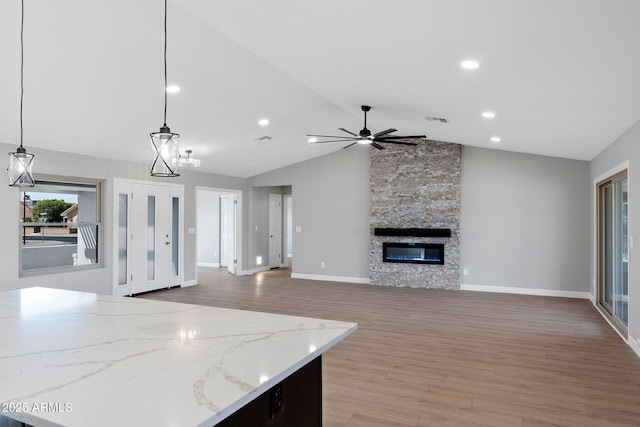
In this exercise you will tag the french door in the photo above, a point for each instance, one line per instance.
(148, 237)
(613, 249)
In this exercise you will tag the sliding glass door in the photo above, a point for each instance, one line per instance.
(613, 248)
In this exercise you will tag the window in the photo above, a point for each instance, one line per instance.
(60, 224)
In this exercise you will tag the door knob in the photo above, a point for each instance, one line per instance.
(167, 243)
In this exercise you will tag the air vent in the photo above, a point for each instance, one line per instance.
(436, 119)
(263, 138)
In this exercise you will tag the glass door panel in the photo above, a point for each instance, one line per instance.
(175, 236)
(151, 237)
(620, 251)
(613, 258)
(123, 237)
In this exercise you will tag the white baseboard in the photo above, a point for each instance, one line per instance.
(208, 264)
(330, 278)
(527, 291)
(187, 283)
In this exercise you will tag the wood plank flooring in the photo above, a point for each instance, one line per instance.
(448, 358)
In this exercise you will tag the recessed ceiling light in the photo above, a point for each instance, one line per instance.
(495, 139)
(312, 140)
(173, 89)
(263, 122)
(488, 115)
(469, 64)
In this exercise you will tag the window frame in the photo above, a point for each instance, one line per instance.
(100, 250)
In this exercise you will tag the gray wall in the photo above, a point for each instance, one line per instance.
(65, 164)
(539, 205)
(524, 220)
(625, 148)
(331, 205)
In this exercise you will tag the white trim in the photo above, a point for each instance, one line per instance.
(208, 264)
(188, 283)
(526, 291)
(330, 278)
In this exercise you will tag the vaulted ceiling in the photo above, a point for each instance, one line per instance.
(560, 76)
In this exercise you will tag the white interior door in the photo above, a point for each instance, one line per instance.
(148, 238)
(231, 233)
(275, 230)
(224, 231)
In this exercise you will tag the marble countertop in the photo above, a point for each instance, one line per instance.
(81, 359)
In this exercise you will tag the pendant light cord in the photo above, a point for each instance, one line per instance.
(21, 69)
(165, 63)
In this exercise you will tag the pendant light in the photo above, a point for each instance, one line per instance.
(188, 162)
(21, 162)
(165, 142)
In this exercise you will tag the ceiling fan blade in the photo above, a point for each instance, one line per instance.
(347, 131)
(398, 142)
(347, 146)
(403, 137)
(384, 132)
(378, 146)
(329, 136)
(334, 140)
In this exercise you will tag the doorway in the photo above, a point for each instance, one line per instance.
(613, 250)
(218, 232)
(148, 236)
(275, 230)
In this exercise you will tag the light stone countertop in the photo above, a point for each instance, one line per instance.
(81, 359)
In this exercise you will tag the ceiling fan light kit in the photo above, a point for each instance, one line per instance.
(365, 137)
(188, 162)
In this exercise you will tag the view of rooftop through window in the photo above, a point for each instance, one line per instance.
(59, 225)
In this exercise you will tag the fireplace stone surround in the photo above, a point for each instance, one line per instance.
(415, 187)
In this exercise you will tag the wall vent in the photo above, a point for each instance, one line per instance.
(436, 119)
(263, 138)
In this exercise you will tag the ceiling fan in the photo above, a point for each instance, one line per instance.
(366, 137)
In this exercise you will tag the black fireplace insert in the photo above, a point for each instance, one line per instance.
(414, 253)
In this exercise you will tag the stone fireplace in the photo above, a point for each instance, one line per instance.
(415, 197)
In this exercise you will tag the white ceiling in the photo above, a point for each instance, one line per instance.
(561, 76)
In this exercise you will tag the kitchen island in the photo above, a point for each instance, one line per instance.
(81, 359)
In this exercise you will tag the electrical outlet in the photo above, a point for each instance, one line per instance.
(465, 271)
(321, 264)
(276, 401)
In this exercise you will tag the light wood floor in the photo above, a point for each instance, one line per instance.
(448, 358)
